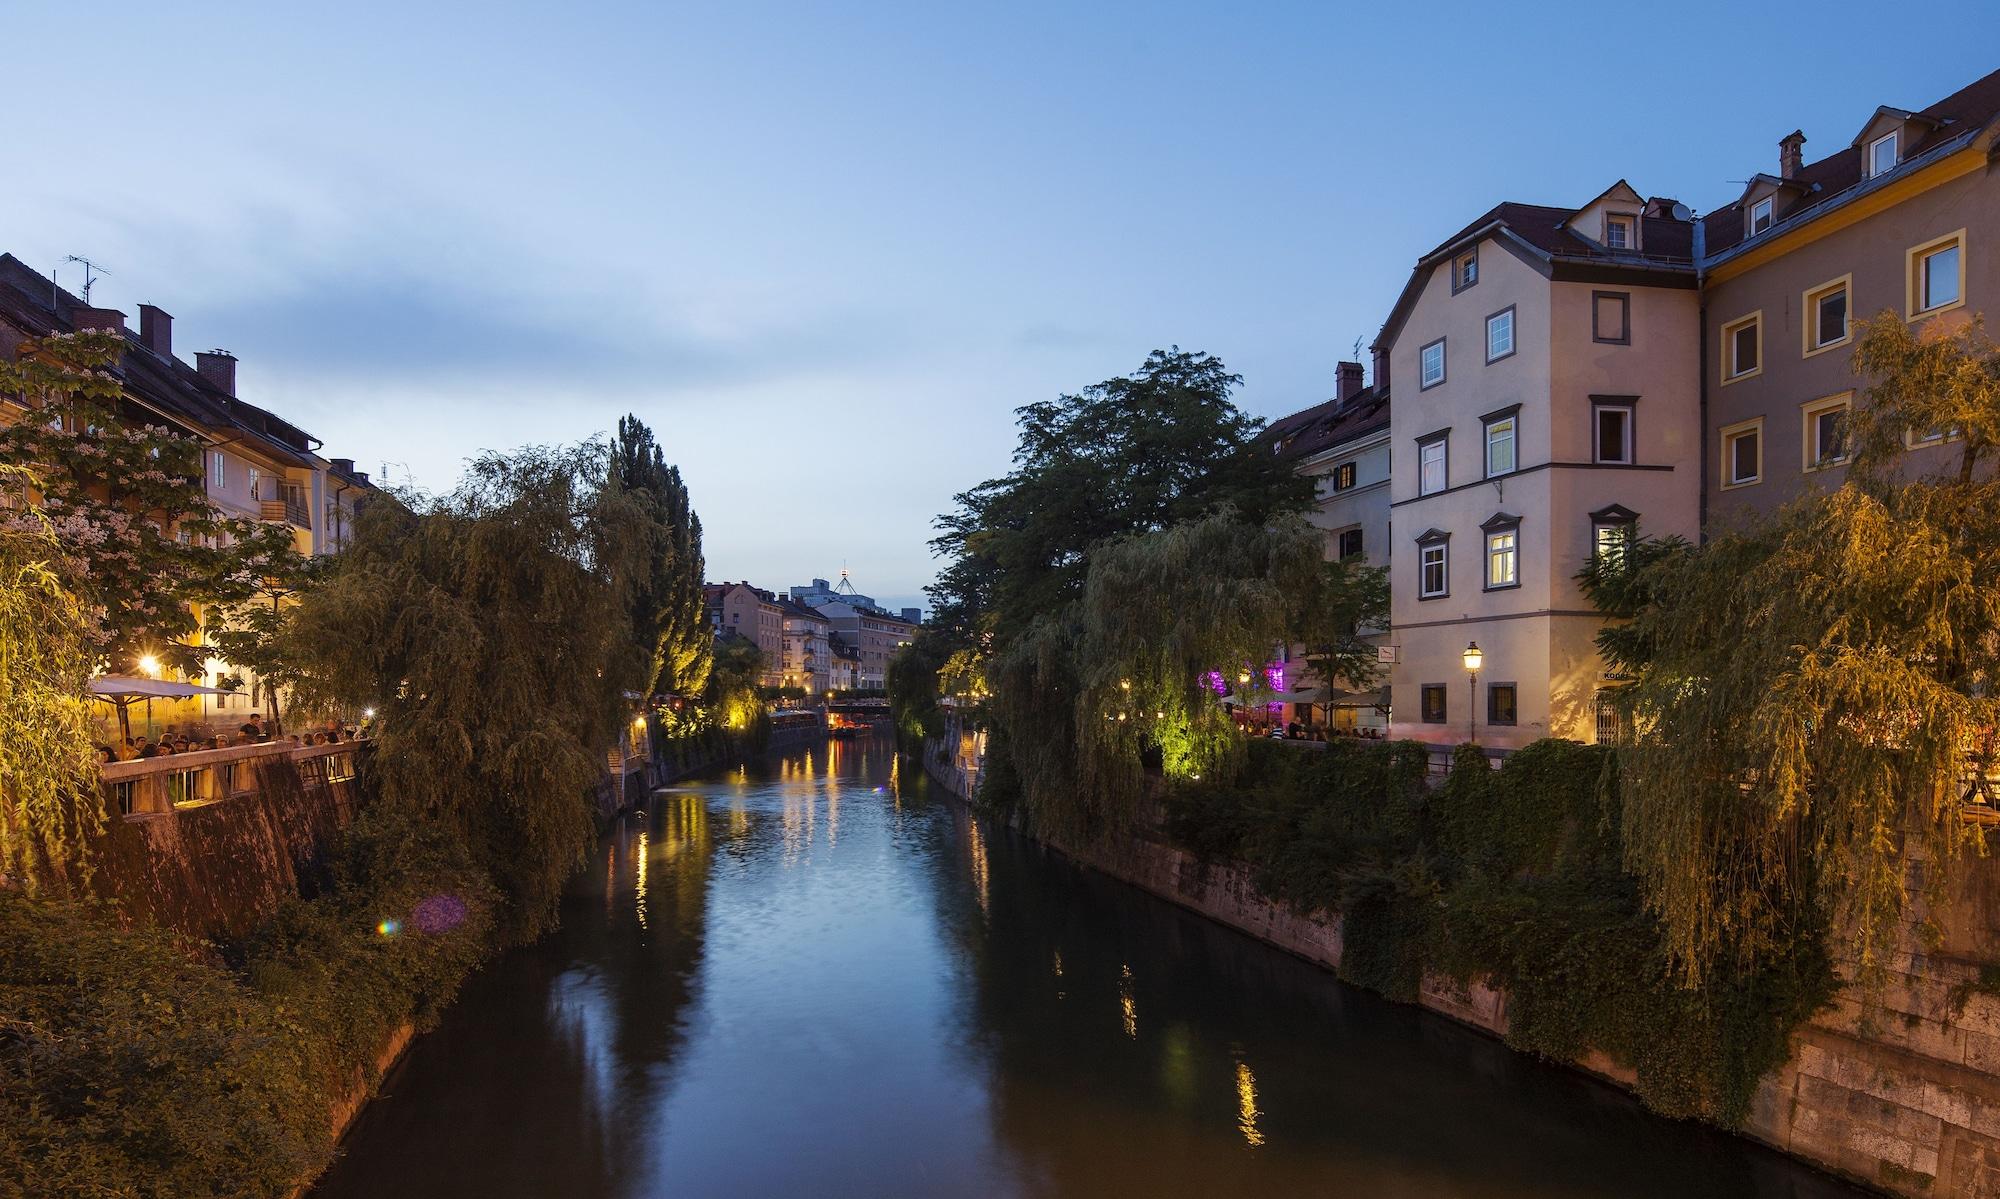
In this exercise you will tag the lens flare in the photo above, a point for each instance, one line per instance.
(388, 926)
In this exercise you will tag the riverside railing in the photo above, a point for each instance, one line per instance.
(205, 776)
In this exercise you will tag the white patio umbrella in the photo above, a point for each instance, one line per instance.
(120, 691)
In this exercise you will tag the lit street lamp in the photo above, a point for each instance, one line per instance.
(1472, 658)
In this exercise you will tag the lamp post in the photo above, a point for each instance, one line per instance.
(1473, 658)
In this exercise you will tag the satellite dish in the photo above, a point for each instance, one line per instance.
(1682, 212)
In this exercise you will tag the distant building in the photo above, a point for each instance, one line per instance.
(820, 592)
(876, 635)
(807, 659)
(738, 609)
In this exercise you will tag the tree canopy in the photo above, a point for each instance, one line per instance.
(669, 615)
(1814, 692)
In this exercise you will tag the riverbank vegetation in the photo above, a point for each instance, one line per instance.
(505, 635)
(1513, 877)
(1144, 541)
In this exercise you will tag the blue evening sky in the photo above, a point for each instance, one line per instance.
(826, 249)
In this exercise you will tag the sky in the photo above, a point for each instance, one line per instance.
(825, 250)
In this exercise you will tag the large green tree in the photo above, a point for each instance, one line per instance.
(491, 629)
(1814, 693)
(669, 614)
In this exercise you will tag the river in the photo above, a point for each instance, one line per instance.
(819, 977)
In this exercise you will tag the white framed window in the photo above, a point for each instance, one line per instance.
(1743, 453)
(1609, 539)
(1882, 154)
(1618, 232)
(1743, 347)
(1432, 462)
(1431, 365)
(1760, 216)
(1937, 275)
(1433, 570)
(1464, 270)
(1825, 431)
(1826, 309)
(1500, 445)
(1503, 559)
(1611, 432)
(1500, 334)
(218, 469)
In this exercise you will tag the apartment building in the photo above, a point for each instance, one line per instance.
(740, 610)
(1342, 444)
(875, 634)
(1545, 408)
(1903, 218)
(807, 660)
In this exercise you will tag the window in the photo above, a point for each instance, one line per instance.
(1618, 232)
(256, 478)
(1433, 570)
(1500, 428)
(218, 469)
(1760, 216)
(1431, 364)
(1743, 453)
(1502, 706)
(1937, 275)
(1882, 154)
(1825, 309)
(1464, 271)
(1611, 317)
(1349, 544)
(1826, 432)
(1343, 476)
(1434, 711)
(1431, 466)
(1609, 539)
(1610, 721)
(1611, 432)
(1503, 559)
(1743, 347)
(1500, 334)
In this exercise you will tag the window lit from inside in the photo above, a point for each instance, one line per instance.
(1502, 706)
(1431, 476)
(1610, 539)
(1500, 447)
(1343, 476)
(1502, 559)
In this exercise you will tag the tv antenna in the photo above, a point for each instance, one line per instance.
(91, 272)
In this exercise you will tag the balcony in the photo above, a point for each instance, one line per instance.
(282, 502)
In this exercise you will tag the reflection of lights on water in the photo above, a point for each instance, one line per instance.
(1128, 1006)
(981, 876)
(1246, 1105)
(639, 885)
(1058, 963)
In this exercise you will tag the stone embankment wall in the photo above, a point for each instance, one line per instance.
(1907, 1101)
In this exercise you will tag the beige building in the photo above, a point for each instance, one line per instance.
(808, 648)
(874, 634)
(1544, 408)
(1904, 218)
(738, 609)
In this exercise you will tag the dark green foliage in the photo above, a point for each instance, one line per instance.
(1515, 877)
(669, 616)
(133, 1063)
(913, 688)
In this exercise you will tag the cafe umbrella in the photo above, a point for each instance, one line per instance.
(122, 691)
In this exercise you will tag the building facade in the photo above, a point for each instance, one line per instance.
(1544, 410)
(808, 648)
(875, 636)
(740, 610)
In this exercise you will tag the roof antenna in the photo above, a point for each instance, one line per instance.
(90, 273)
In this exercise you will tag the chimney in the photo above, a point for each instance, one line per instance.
(156, 329)
(219, 368)
(1791, 153)
(102, 320)
(1349, 374)
(343, 466)
(1381, 375)
(361, 477)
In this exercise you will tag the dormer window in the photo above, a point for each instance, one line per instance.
(1882, 154)
(1618, 232)
(1760, 216)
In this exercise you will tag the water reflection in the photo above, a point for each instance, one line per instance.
(817, 979)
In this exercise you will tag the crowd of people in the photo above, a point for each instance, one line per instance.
(253, 731)
(1295, 730)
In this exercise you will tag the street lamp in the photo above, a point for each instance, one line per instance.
(149, 665)
(1473, 658)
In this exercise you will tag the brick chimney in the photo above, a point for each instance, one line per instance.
(156, 329)
(1349, 375)
(219, 368)
(1791, 153)
(1381, 374)
(103, 320)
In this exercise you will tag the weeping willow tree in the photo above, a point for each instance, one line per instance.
(491, 629)
(1814, 693)
(1083, 699)
(49, 802)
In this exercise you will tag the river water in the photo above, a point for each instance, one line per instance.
(819, 977)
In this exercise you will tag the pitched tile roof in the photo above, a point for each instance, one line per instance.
(1327, 424)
